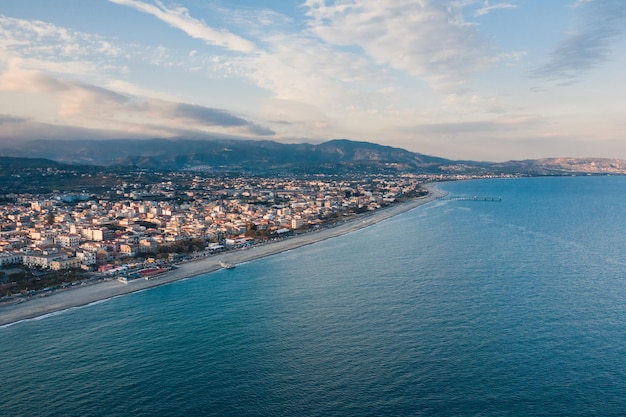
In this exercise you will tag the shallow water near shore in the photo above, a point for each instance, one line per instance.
(456, 308)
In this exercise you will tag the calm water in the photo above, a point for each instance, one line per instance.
(456, 308)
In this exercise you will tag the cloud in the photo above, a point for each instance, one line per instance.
(47, 47)
(30, 81)
(328, 85)
(308, 81)
(58, 49)
(473, 103)
(487, 8)
(10, 119)
(179, 18)
(429, 40)
(259, 130)
(488, 138)
(207, 115)
(299, 68)
(75, 99)
(581, 2)
(18, 129)
(590, 45)
(504, 123)
(215, 117)
(96, 106)
(82, 99)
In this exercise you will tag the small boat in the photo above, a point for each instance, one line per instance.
(227, 265)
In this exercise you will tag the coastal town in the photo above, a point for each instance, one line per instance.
(136, 229)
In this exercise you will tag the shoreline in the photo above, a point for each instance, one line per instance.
(89, 294)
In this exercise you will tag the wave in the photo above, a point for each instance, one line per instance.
(56, 313)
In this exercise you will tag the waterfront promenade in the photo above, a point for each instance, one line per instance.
(84, 295)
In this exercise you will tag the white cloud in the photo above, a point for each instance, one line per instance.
(474, 103)
(179, 18)
(44, 46)
(581, 2)
(487, 8)
(316, 90)
(86, 105)
(130, 89)
(74, 99)
(429, 40)
(36, 38)
(331, 87)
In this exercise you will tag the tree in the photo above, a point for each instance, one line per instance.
(252, 230)
(50, 219)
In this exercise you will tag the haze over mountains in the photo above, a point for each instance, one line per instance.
(336, 155)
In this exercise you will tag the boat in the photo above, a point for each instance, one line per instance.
(227, 265)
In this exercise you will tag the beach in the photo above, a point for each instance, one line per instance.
(88, 294)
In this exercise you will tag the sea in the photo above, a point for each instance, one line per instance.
(461, 307)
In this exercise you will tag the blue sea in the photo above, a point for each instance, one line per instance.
(456, 308)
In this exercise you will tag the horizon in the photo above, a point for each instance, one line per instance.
(565, 157)
(473, 80)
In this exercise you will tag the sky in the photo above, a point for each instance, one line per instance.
(462, 79)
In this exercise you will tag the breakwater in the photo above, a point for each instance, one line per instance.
(470, 198)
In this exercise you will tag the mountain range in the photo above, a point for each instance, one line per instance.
(338, 155)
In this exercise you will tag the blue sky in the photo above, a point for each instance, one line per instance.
(462, 79)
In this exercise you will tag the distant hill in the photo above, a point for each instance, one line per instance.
(228, 154)
(334, 156)
(39, 175)
(564, 166)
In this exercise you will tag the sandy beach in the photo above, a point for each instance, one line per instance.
(80, 296)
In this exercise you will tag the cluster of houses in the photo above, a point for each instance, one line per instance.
(64, 231)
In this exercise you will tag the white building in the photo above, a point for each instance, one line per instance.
(70, 240)
(86, 257)
(98, 234)
(10, 258)
(42, 259)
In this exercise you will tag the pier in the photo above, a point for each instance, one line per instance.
(470, 198)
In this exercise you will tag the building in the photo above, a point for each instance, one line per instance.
(147, 245)
(70, 240)
(86, 257)
(128, 250)
(98, 234)
(297, 223)
(42, 259)
(10, 258)
(65, 264)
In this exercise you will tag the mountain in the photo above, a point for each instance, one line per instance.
(38, 175)
(334, 156)
(177, 154)
(565, 166)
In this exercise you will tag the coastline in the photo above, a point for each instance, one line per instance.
(89, 294)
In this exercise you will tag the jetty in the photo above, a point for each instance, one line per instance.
(470, 198)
